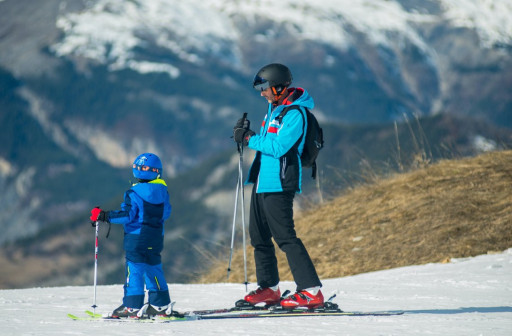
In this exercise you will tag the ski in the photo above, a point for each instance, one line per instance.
(144, 319)
(90, 313)
(246, 311)
(234, 313)
(292, 313)
(242, 309)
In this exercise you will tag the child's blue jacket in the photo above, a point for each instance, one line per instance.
(145, 208)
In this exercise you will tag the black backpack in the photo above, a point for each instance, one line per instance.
(314, 139)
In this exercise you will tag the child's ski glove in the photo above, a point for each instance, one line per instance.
(98, 215)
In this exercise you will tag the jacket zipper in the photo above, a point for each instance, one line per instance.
(283, 167)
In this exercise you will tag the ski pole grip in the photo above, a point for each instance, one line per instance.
(240, 146)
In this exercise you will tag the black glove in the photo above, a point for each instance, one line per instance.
(242, 123)
(242, 135)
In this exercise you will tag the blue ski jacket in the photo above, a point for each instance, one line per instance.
(145, 208)
(277, 166)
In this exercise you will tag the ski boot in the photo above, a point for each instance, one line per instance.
(164, 311)
(304, 299)
(268, 296)
(125, 312)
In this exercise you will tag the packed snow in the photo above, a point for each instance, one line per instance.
(471, 296)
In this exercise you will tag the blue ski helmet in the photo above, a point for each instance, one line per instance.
(147, 166)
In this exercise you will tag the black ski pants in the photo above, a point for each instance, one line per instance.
(271, 216)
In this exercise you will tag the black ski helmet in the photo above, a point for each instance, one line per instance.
(273, 75)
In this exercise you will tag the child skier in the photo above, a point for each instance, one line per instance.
(145, 208)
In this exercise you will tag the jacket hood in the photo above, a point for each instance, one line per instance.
(154, 192)
(299, 96)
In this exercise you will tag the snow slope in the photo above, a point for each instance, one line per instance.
(470, 296)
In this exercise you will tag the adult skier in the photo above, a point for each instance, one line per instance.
(276, 173)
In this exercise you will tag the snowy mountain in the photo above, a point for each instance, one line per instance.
(85, 86)
(109, 31)
(411, 56)
(403, 43)
(463, 297)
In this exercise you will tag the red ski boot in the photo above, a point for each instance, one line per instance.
(303, 299)
(263, 295)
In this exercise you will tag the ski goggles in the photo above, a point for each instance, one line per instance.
(146, 168)
(260, 84)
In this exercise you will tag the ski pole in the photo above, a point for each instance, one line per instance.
(234, 224)
(95, 265)
(241, 182)
(235, 209)
(239, 190)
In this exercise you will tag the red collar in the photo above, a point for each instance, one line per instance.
(293, 94)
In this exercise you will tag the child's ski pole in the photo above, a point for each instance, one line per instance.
(97, 224)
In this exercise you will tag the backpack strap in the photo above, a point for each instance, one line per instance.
(296, 145)
(303, 136)
(283, 113)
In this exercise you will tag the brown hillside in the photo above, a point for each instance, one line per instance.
(455, 208)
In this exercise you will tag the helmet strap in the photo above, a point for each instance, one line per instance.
(278, 94)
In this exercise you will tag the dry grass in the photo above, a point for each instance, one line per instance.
(454, 208)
